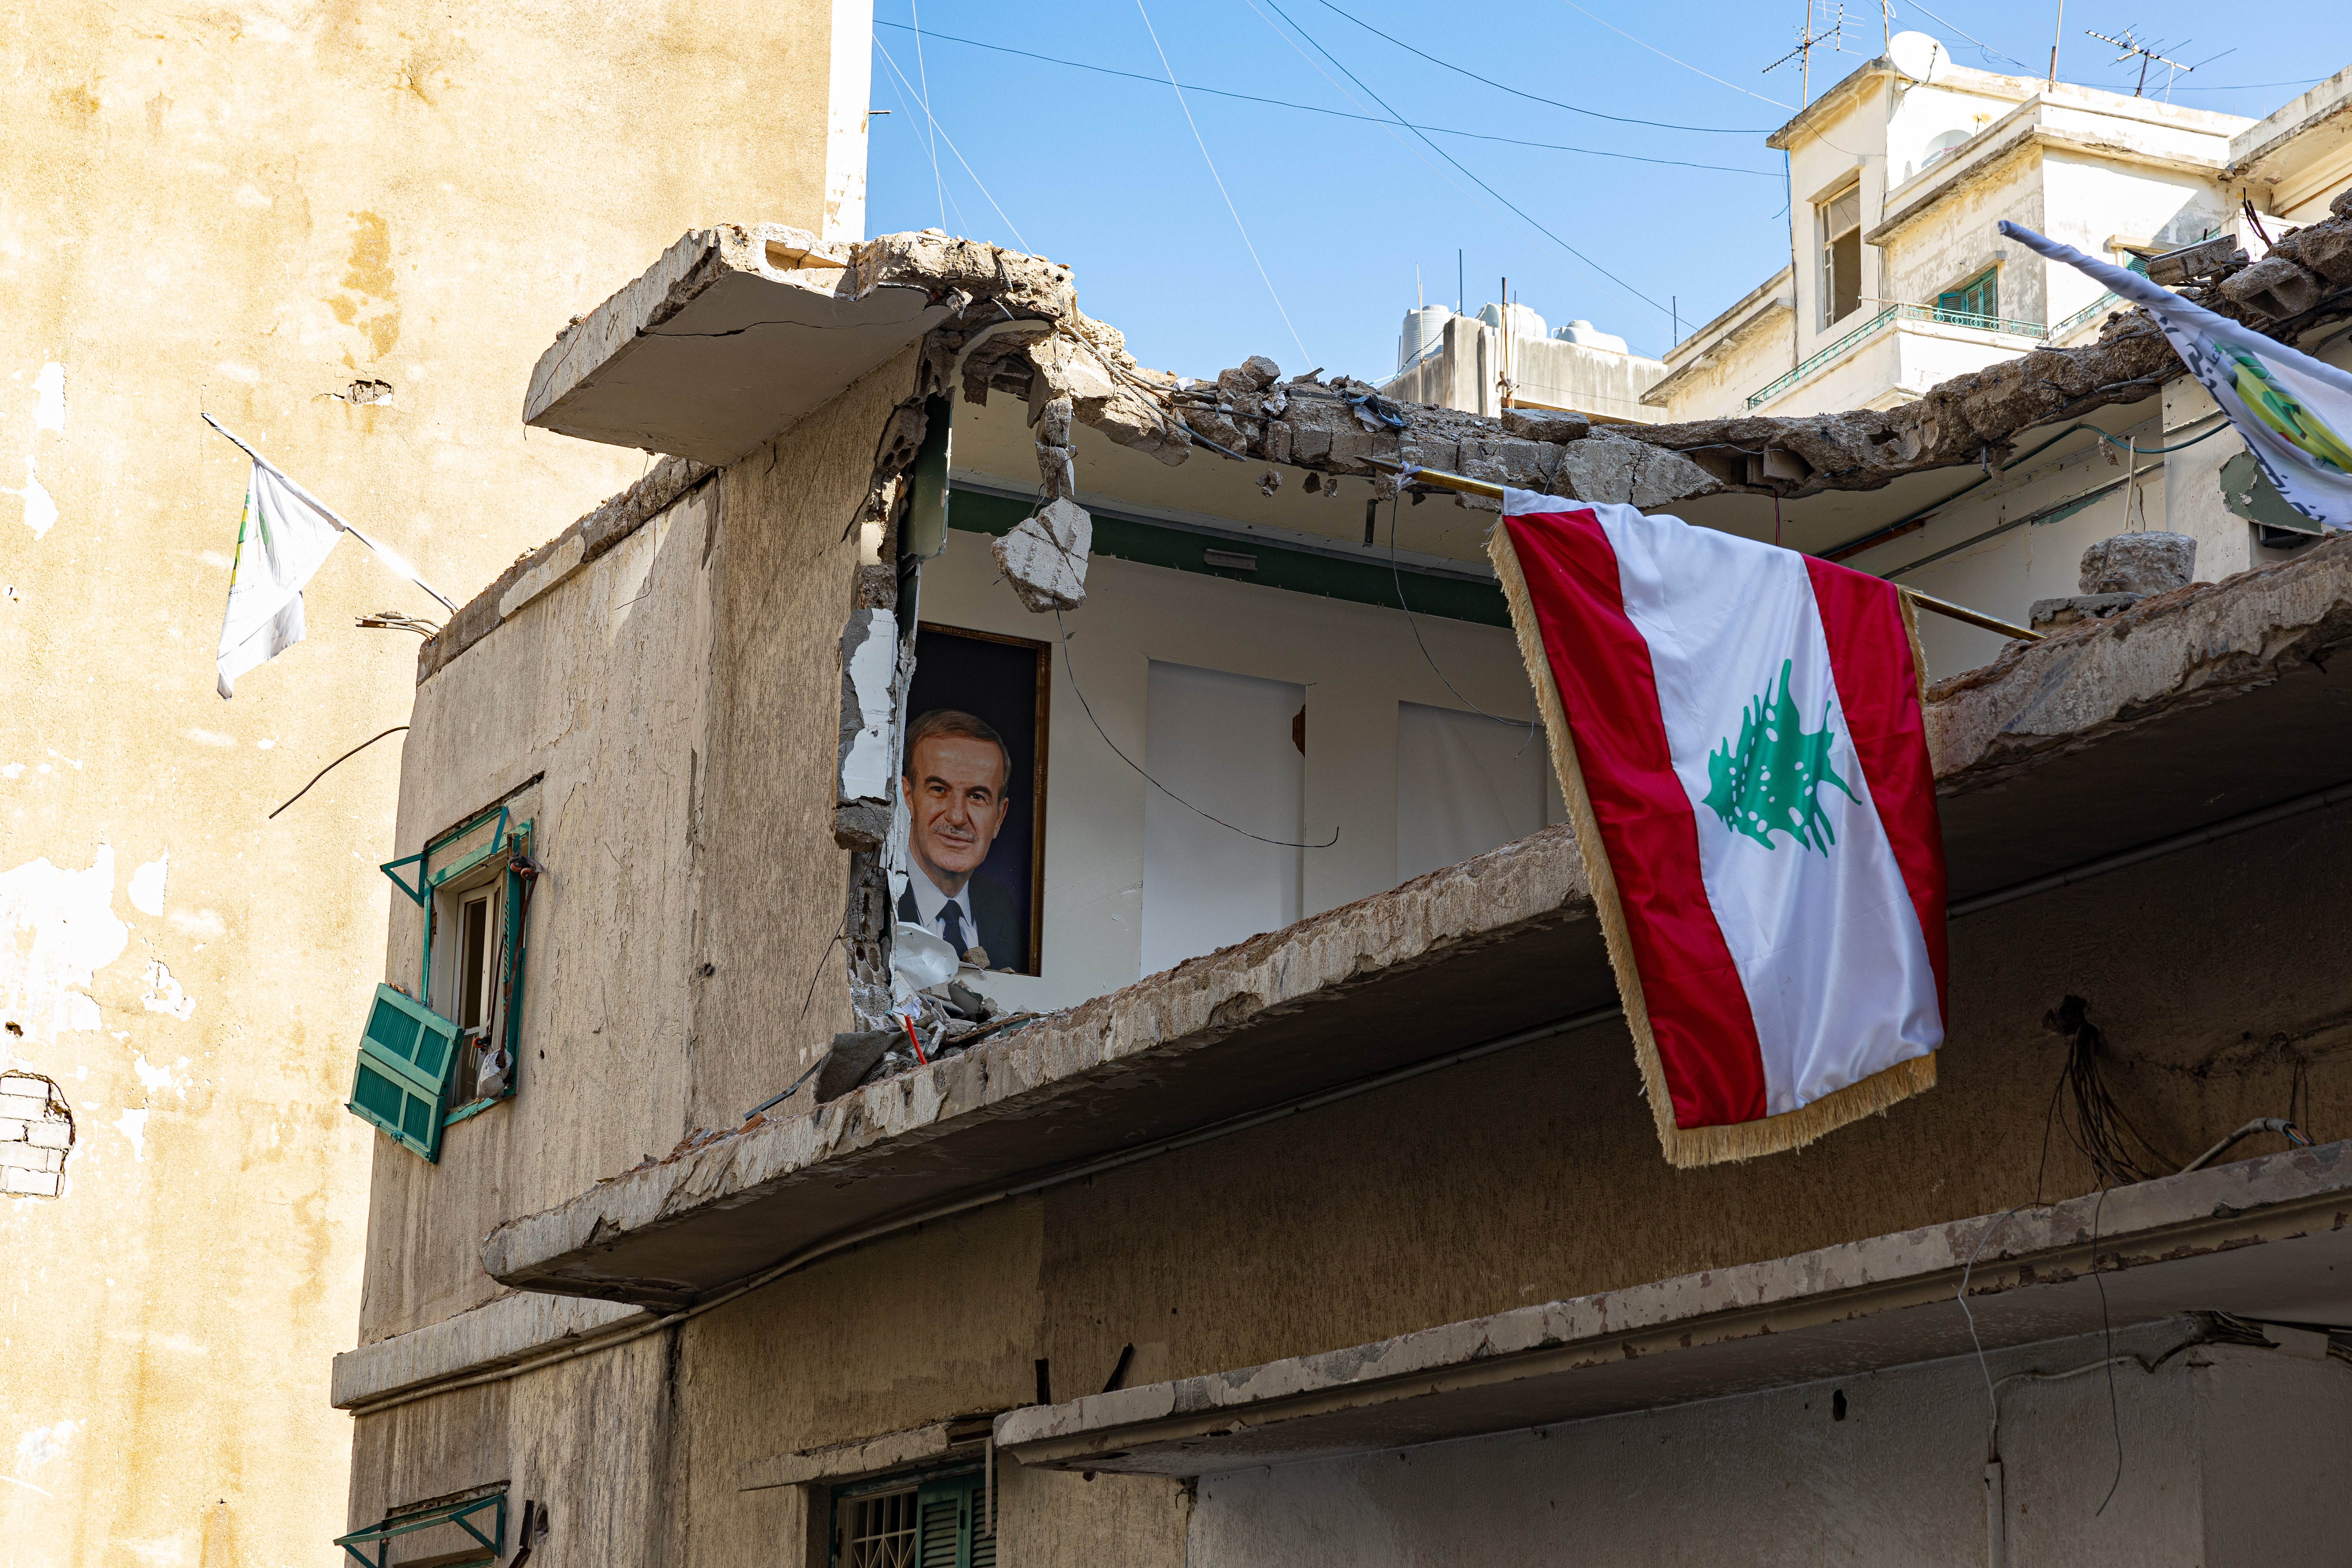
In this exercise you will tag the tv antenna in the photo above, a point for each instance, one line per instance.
(1807, 42)
(2130, 44)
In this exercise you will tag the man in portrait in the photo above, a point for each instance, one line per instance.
(956, 781)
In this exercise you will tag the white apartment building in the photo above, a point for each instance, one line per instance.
(1897, 276)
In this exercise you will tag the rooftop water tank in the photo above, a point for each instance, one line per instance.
(1590, 337)
(1424, 329)
(1525, 322)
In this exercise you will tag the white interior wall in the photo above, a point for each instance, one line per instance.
(1465, 784)
(1356, 663)
(1221, 746)
(2213, 1477)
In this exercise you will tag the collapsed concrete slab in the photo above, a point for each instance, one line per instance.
(740, 330)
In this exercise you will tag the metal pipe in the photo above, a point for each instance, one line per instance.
(1467, 486)
(2278, 1124)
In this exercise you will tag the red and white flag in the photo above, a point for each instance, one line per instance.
(1738, 731)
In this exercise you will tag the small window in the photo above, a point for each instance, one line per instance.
(473, 966)
(1975, 303)
(1841, 226)
(939, 1521)
(432, 1058)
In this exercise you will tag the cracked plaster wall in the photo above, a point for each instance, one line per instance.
(269, 210)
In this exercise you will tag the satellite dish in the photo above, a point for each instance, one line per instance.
(1917, 55)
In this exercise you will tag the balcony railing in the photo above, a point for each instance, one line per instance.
(2099, 306)
(1823, 356)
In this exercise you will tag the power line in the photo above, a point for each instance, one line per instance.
(938, 38)
(953, 148)
(1661, 54)
(1220, 183)
(1531, 98)
(938, 181)
(1474, 179)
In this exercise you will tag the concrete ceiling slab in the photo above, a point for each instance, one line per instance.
(2263, 1238)
(733, 335)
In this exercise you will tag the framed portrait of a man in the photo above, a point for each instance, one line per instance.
(974, 769)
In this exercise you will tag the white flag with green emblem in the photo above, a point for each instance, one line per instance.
(2294, 412)
(281, 542)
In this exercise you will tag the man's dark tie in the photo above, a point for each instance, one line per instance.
(952, 928)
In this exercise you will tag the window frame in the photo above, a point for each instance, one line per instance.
(1984, 283)
(976, 1535)
(1826, 246)
(492, 870)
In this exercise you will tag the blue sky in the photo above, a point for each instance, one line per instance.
(1104, 170)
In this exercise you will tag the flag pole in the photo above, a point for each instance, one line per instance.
(1467, 486)
(328, 512)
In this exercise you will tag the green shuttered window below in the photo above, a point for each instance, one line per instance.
(931, 1522)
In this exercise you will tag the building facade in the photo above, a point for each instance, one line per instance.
(318, 224)
(1898, 278)
(1285, 1194)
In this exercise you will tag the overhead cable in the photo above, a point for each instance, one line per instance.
(1532, 98)
(1219, 178)
(953, 148)
(1661, 54)
(1339, 114)
(1449, 158)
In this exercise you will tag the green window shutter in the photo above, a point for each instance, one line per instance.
(950, 1524)
(402, 1074)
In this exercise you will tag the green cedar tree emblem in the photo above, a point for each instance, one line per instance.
(1768, 779)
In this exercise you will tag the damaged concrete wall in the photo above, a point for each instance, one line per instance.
(771, 986)
(597, 689)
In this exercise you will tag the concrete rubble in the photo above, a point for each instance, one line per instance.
(1044, 556)
(1017, 328)
(1011, 324)
(2118, 573)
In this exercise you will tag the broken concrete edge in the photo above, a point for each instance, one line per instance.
(837, 1463)
(2161, 657)
(1537, 881)
(1018, 316)
(533, 574)
(2272, 1197)
(777, 251)
(496, 1333)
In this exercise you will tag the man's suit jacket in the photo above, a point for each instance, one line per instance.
(1002, 930)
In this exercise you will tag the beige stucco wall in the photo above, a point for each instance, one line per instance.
(247, 209)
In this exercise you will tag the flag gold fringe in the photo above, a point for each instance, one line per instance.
(1686, 1148)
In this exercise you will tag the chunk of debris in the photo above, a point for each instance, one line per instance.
(1056, 461)
(1269, 483)
(2153, 562)
(1045, 558)
(2118, 573)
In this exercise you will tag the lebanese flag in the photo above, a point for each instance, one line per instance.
(1737, 731)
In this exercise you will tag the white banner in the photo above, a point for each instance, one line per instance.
(2294, 412)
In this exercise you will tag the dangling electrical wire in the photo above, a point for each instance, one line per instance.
(1396, 504)
(1474, 179)
(1088, 708)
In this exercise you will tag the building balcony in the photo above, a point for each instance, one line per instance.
(2189, 717)
(1902, 349)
